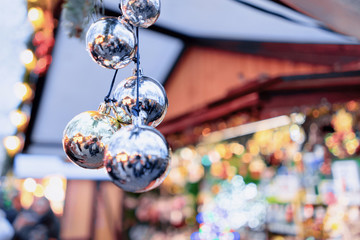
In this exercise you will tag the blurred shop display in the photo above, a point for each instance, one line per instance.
(296, 181)
(33, 206)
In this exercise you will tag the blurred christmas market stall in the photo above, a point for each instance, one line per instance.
(278, 178)
(287, 171)
(275, 166)
(305, 167)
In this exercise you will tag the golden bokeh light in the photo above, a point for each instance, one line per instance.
(28, 58)
(34, 14)
(26, 199)
(36, 17)
(57, 207)
(23, 91)
(237, 148)
(29, 185)
(55, 191)
(12, 144)
(18, 119)
(39, 191)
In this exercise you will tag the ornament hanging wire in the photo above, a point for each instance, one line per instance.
(107, 97)
(136, 109)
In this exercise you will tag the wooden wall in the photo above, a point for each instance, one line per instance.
(204, 75)
(92, 212)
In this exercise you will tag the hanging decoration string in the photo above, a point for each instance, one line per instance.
(107, 97)
(136, 109)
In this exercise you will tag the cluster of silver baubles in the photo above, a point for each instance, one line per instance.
(120, 136)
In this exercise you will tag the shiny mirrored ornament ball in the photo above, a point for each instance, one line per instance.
(141, 13)
(111, 42)
(137, 158)
(152, 99)
(86, 136)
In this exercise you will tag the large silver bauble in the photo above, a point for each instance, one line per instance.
(137, 158)
(141, 13)
(86, 136)
(152, 99)
(111, 42)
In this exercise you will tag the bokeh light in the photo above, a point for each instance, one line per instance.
(36, 17)
(23, 91)
(28, 59)
(236, 205)
(27, 56)
(12, 144)
(26, 199)
(39, 191)
(54, 189)
(18, 119)
(30, 185)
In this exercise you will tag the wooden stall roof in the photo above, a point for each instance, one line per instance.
(210, 83)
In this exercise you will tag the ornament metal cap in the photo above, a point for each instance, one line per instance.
(135, 70)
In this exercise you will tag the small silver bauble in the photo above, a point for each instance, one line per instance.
(111, 42)
(141, 13)
(152, 99)
(137, 158)
(86, 136)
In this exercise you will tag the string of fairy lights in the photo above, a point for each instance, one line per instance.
(32, 43)
(25, 58)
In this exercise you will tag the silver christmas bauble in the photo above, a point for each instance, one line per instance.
(152, 99)
(111, 42)
(141, 13)
(137, 158)
(86, 136)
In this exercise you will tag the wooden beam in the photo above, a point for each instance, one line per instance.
(207, 114)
